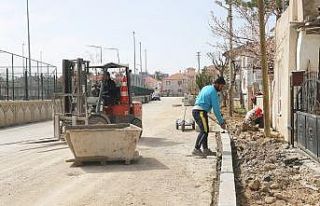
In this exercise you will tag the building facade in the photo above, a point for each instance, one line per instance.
(297, 49)
(179, 83)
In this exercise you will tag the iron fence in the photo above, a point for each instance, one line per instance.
(306, 115)
(308, 95)
(21, 81)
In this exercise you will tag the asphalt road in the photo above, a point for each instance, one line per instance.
(33, 170)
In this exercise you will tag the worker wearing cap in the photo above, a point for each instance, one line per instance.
(206, 101)
(252, 118)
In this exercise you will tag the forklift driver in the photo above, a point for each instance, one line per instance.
(109, 90)
(95, 89)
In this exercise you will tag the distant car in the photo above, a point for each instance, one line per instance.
(155, 97)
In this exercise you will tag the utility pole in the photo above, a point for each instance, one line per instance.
(199, 67)
(264, 65)
(23, 55)
(134, 52)
(101, 54)
(230, 58)
(29, 50)
(140, 58)
(41, 61)
(118, 56)
(145, 59)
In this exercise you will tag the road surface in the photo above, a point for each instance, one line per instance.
(33, 170)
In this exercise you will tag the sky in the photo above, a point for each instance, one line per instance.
(172, 31)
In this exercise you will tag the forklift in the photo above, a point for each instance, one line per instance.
(78, 104)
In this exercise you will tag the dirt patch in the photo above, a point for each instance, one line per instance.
(268, 172)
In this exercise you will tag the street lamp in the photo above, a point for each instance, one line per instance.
(145, 59)
(229, 8)
(97, 47)
(23, 44)
(134, 51)
(140, 57)
(29, 52)
(115, 49)
(109, 48)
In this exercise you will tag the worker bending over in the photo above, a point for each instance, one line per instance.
(206, 101)
(253, 117)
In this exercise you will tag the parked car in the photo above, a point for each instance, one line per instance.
(155, 97)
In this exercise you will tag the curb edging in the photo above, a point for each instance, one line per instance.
(227, 191)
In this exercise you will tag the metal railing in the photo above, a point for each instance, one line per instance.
(306, 115)
(308, 96)
(21, 81)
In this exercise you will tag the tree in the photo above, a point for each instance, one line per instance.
(247, 33)
(266, 103)
(275, 7)
(203, 79)
(220, 63)
(158, 75)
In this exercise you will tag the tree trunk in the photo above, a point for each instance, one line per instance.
(231, 107)
(264, 65)
(241, 92)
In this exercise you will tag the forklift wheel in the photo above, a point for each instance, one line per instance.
(177, 126)
(98, 119)
(137, 122)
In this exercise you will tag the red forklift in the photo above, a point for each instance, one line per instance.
(81, 104)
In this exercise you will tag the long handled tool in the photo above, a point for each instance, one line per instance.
(213, 119)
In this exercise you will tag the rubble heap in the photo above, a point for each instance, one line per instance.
(269, 172)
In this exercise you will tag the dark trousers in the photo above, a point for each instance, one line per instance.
(201, 118)
(260, 122)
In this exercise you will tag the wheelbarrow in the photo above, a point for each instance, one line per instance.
(183, 123)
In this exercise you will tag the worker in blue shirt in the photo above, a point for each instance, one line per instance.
(206, 101)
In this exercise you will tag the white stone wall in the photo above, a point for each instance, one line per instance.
(23, 112)
(284, 64)
(293, 52)
(308, 51)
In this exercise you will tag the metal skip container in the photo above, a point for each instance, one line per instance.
(107, 142)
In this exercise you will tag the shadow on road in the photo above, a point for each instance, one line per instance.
(156, 142)
(118, 166)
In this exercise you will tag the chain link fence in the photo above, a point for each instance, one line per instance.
(21, 81)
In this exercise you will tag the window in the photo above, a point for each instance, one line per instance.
(168, 83)
(179, 83)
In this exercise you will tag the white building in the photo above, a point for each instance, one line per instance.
(297, 48)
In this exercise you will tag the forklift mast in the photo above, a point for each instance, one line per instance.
(75, 84)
